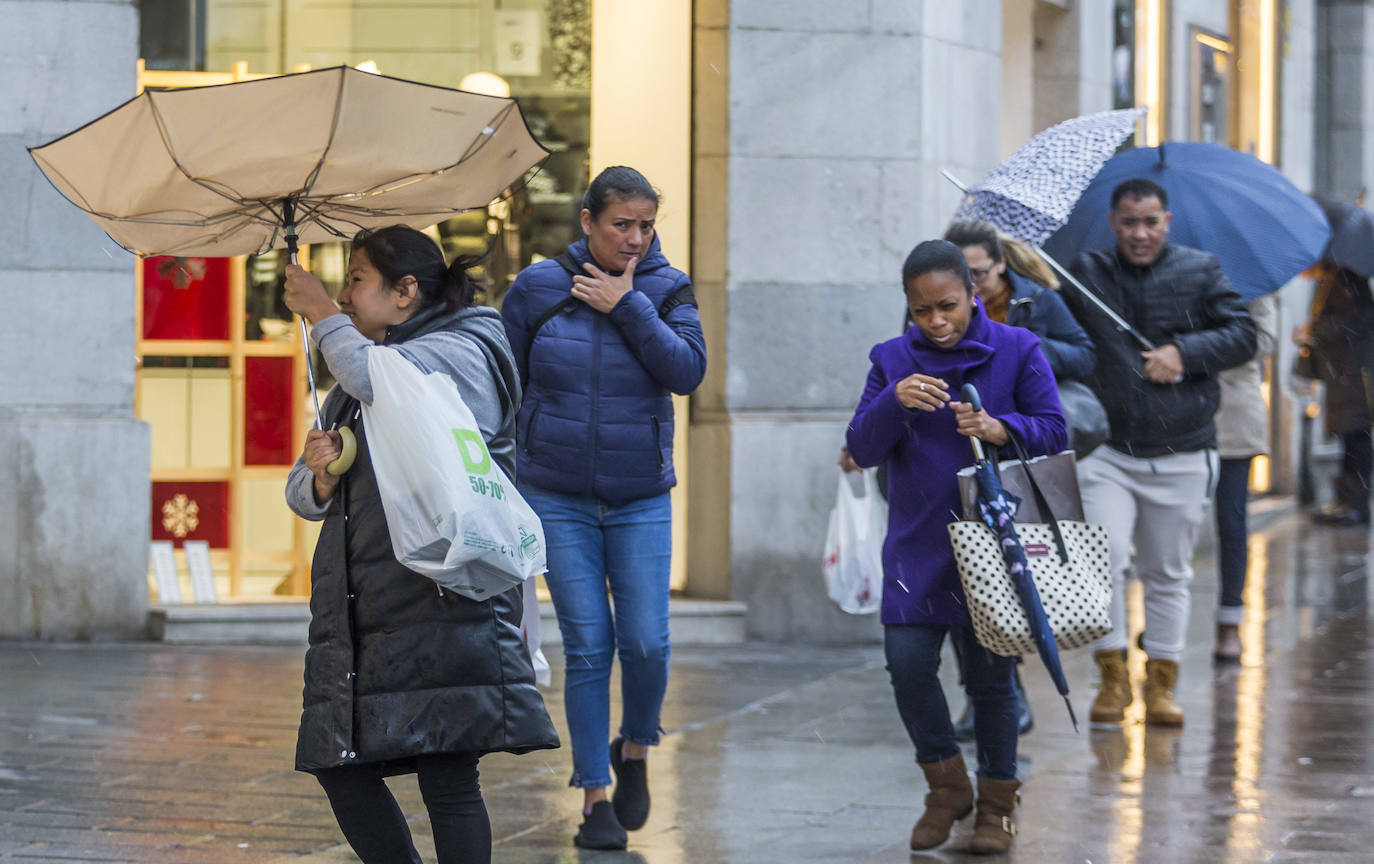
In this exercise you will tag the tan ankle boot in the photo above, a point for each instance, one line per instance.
(1114, 693)
(993, 830)
(1161, 676)
(950, 799)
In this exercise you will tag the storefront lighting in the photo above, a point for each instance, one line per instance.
(1268, 42)
(1149, 16)
(1213, 42)
(486, 83)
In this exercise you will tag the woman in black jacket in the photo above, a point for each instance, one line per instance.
(1338, 339)
(402, 676)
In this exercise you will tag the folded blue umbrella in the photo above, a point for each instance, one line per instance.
(1262, 228)
(997, 506)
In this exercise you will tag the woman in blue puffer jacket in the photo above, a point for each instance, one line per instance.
(603, 336)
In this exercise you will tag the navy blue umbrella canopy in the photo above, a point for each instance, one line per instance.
(1352, 236)
(1262, 228)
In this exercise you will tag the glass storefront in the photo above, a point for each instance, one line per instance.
(220, 381)
(1209, 76)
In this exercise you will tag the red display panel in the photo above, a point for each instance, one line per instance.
(186, 298)
(268, 405)
(191, 511)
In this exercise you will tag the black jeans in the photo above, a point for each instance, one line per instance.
(913, 661)
(1233, 493)
(376, 828)
(1357, 464)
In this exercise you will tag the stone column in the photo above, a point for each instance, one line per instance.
(840, 116)
(1345, 152)
(74, 495)
(1072, 60)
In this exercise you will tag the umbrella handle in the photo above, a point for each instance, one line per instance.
(288, 216)
(970, 395)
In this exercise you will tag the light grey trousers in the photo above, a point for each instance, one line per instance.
(1157, 505)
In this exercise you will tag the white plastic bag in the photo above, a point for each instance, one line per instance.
(529, 628)
(452, 513)
(853, 563)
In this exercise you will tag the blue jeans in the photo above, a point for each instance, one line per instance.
(592, 543)
(1233, 493)
(913, 661)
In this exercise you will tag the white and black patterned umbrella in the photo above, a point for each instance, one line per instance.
(1031, 193)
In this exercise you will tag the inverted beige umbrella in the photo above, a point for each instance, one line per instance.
(243, 168)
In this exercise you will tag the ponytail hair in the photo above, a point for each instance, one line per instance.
(398, 251)
(1002, 247)
(1025, 262)
(619, 183)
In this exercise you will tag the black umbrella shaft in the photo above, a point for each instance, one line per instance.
(1095, 300)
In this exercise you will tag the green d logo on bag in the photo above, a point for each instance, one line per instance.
(468, 440)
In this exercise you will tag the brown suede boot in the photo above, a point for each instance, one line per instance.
(993, 830)
(950, 799)
(1161, 676)
(1114, 693)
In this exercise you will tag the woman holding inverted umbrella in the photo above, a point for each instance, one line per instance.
(438, 680)
(908, 418)
(394, 678)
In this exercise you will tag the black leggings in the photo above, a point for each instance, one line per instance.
(376, 828)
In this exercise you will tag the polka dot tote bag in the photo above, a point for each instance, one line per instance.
(1076, 593)
(1068, 561)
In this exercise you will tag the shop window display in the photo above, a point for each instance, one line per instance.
(229, 406)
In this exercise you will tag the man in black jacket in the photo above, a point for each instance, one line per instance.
(1150, 483)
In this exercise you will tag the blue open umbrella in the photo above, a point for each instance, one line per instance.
(998, 509)
(1262, 228)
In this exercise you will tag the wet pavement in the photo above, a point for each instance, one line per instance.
(775, 753)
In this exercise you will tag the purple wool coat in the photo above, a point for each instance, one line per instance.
(923, 451)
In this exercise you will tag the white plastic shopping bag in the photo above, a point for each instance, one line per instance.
(529, 628)
(452, 513)
(853, 563)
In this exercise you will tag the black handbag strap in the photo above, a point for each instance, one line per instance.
(1040, 500)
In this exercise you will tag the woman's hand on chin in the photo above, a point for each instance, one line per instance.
(979, 424)
(602, 291)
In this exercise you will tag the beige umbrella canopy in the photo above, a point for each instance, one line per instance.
(217, 171)
(242, 168)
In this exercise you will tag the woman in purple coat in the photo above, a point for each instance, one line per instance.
(908, 418)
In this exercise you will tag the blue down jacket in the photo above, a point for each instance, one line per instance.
(598, 413)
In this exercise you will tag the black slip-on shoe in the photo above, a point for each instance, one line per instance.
(600, 829)
(631, 798)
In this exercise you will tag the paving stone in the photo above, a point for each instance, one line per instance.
(774, 753)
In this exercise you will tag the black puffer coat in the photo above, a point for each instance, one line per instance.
(1183, 298)
(396, 667)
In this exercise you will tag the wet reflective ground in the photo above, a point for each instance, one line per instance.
(775, 753)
